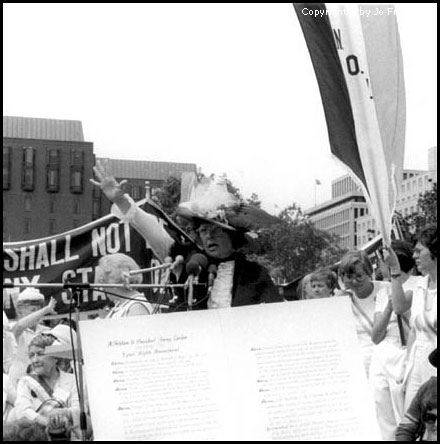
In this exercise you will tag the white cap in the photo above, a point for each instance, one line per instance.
(62, 347)
(62, 333)
(30, 295)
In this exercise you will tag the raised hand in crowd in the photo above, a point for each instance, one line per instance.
(32, 319)
(113, 190)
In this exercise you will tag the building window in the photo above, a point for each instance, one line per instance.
(27, 203)
(53, 180)
(6, 167)
(76, 206)
(27, 226)
(53, 170)
(52, 226)
(77, 157)
(76, 171)
(53, 156)
(28, 179)
(76, 181)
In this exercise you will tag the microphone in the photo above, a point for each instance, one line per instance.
(212, 274)
(168, 264)
(196, 264)
(172, 267)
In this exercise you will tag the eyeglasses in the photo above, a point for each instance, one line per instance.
(212, 231)
(429, 418)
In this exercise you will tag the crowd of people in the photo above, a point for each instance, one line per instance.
(395, 318)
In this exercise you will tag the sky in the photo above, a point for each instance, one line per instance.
(229, 87)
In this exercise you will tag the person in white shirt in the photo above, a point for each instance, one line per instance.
(423, 304)
(391, 334)
(31, 309)
(115, 269)
(355, 271)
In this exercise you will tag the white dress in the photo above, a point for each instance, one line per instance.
(388, 367)
(424, 323)
(363, 310)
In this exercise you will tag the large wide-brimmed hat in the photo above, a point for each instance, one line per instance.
(209, 200)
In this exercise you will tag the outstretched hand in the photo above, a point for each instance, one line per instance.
(113, 189)
(50, 307)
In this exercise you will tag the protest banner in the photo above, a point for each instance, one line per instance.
(73, 256)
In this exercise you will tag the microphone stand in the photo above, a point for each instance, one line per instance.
(190, 291)
(75, 292)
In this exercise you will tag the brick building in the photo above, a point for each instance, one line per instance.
(46, 170)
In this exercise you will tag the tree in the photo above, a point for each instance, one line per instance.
(295, 247)
(168, 195)
(426, 214)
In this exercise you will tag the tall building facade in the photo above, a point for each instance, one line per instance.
(46, 169)
(347, 213)
(339, 215)
(47, 165)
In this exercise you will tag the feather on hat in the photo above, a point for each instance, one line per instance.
(210, 201)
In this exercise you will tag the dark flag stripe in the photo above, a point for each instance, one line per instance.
(315, 24)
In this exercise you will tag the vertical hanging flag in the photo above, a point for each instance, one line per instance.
(356, 55)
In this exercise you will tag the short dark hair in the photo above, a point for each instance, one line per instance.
(404, 251)
(427, 236)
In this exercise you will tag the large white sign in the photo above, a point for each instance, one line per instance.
(286, 371)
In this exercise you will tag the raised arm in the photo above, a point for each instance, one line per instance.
(33, 319)
(147, 225)
(113, 190)
(381, 321)
(401, 300)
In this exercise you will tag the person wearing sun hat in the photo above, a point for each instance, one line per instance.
(48, 395)
(222, 224)
(30, 307)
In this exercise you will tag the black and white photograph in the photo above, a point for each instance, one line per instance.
(219, 222)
